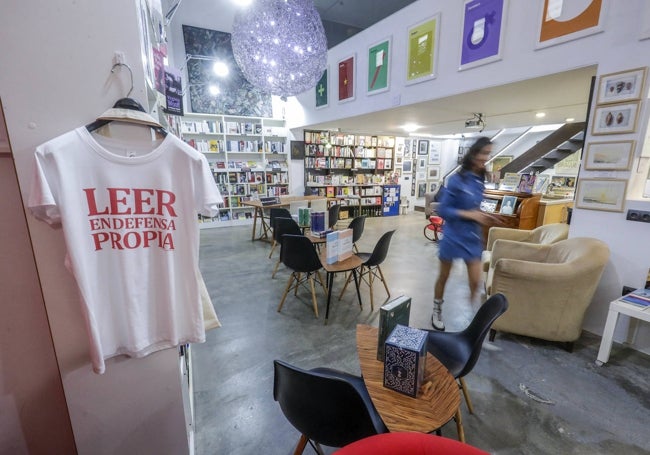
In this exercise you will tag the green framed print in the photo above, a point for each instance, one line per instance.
(422, 50)
(379, 67)
(321, 90)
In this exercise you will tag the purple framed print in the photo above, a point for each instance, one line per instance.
(483, 27)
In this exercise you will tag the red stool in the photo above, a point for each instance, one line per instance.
(404, 443)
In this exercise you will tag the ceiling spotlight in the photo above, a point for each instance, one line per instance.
(569, 119)
(476, 122)
(410, 127)
(220, 69)
(540, 114)
(214, 90)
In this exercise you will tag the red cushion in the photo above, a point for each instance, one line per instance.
(406, 443)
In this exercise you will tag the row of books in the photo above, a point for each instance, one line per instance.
(525, 183)
(348, 151)
(232, 128)
(336, 138)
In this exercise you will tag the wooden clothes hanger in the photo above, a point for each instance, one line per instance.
(126, 110)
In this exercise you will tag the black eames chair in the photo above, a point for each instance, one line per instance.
(357, 225)
(459, 351)
(326, 406)
(298, 254)
(370, 269)
(333, 215)
(276, 212)
(283, 226)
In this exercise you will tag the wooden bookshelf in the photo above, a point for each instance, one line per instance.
(524, 216)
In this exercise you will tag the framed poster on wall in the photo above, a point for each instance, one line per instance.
(615, 118)
(482, 32)
(346, 79)
(562, 20)
(321, 90)
(601, 194)
(422, 50)
(379, 67)
(621, 86)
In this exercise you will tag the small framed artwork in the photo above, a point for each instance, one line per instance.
(482, 32)
(609, 156)
(621, 86)
(434, 152)
(422, 163)
(497, 163)
(347, 75)
(526, 183)
(407, 166)
(422, 50)
(399, 160)
(321, 90)
(615, 118)
(379, 67)
(421, 175)
(433, 186)
(489, 205)
(434, 173)
(422, 188)
(508, 204)
(542, 181)
(423, 147)
(601, 194)
(562, 21)
(297, 150)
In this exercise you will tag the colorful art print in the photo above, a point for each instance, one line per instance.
(563, 182)
(173, 91)
(321, 90)
(508, 204)
(601, 194)
(621, 86)
(615, 118)
(346, 79)
(379, 67)
(434, 172)
(563, 21)
(510, 181)
(609, 156)
(422, 50)
(159, 55)
(498, 162)
(435, 148)
(488, 205)
(542, 182)
(526, 183)
(483, 31)
(398, 160)
(423, 147)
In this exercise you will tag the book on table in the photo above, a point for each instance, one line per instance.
(639, 297)
(397, 311)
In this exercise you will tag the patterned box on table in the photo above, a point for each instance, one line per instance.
(405, 359)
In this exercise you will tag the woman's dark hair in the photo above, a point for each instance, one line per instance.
(474, 150)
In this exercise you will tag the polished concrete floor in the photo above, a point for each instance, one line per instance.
(530, 396)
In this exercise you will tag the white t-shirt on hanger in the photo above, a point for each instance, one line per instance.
(129, 216)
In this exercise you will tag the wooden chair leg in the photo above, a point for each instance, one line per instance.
(383, 280)
(275, 269)
(468, 401)
(345, 286)
(272, 248)
(286, 291)
(295, 292)
(313, 294)
(459, 426)
(371, 279)
(322, 283)
(302, 443)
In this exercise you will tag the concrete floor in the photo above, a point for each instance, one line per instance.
(530, 396)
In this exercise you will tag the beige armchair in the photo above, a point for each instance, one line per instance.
(542, 235)
(549, 287)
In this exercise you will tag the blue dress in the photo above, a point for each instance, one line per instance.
(462, 238)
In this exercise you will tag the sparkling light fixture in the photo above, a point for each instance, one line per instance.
(280, 45)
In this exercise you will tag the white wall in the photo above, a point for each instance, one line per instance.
(617, 48)
(56, 59)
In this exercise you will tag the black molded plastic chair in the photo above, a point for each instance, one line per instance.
(298, 254)
(276, 212)
(333, 215)
(284, 226)
(370, 269)
(357, 225)
(326, 406)
(459, 351)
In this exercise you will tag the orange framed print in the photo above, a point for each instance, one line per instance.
(566, 20)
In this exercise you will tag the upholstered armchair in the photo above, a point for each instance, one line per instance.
(548, 287)
(546, 234)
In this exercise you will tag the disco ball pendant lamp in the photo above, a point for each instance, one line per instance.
(280, 45)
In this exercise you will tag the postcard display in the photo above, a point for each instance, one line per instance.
(129, 222)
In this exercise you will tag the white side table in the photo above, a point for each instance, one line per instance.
(615, 308)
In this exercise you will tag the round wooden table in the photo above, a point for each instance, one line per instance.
(429, 411)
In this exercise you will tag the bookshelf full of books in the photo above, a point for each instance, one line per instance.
(349, 167)
(248, 158)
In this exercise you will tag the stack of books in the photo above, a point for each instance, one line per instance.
(640, 297)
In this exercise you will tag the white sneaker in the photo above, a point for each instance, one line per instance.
(436, 317)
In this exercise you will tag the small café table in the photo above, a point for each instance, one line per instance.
(616, 308)
(258, 214)
(350, 264)
(437, 403)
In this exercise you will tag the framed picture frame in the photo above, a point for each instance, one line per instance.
(621, 86)
(422, 188)
(435, 148)
(422, 163)
(407, 166)
(482, 32)
(542, 181)
(609, 156)
(347, 76)
(379, 66)
(560, 21)
(508, 205)
(423, 147)
(297, 150)
(601, 194)
(432, 186)
(421, 175)
(322, 90)
(433, 173)
(422, 51)
(615, 118)
(497, 163)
